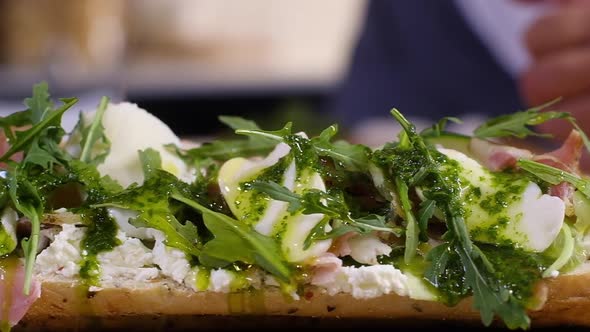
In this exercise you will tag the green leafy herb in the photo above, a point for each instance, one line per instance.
(93, 135)
(353, 157)
(27, 201)
(439, 128)
(150, 162)
(98, 188)
(42, 138)
(236, 122)
(412, 230)
(235, 241)
(554, 175)
(222, 150)
(151, 201)
(331, 204)
(40, 103)
(518, 124)
(426, 212)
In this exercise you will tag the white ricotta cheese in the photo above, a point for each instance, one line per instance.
(367, 282)
(128, 261)
(63, 256)
(172, 262)
(220, 281)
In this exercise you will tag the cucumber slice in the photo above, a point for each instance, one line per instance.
(451, 141)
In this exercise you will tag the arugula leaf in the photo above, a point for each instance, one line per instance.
(554, 175)
(517, 124)
(39, 104)
(26, 199)
(14, 120)
(354, 157)
(425, 213)
(331, 204)
(98, 189)
(222, 150)
(154, 210)
(412, 230)
(488, 298)
(150, 161)
(279, 193)
(235, 241)
(439, 128)
(236, 122)
(93, 135)
(44, 150)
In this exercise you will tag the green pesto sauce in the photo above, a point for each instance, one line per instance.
(7, 242)
(253, 203)
(100, 237)
(303, 152)
(521, 281)
(395, 161)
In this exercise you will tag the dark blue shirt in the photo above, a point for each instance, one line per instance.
(421, 57)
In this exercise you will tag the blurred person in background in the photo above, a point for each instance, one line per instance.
(468, 58)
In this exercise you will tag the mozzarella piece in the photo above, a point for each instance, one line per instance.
(274, 220)
(130, 129)
(367, 282)
(530, 218)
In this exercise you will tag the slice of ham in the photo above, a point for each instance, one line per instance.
(14, 304)
(567, 158)
(340, 247)
(497, 157)
(325, 268)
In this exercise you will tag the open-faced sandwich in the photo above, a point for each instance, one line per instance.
(119, 218)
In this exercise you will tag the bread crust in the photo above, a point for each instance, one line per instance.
(164, 305)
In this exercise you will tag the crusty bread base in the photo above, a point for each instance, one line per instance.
(164, 306)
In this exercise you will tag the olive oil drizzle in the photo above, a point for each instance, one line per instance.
(8, 266)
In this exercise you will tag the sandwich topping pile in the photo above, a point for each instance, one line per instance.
(431, 215)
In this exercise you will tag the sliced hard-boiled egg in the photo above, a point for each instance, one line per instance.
(503, 208)
(268, 216)
(131, 129)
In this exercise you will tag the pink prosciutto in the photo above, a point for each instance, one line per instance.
(566, 158)
(325, 268)
(14, 304)
(497, 157)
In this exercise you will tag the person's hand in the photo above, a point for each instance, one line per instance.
(560, 46)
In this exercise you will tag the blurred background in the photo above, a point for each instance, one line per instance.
(307, 61)
(187, 61)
